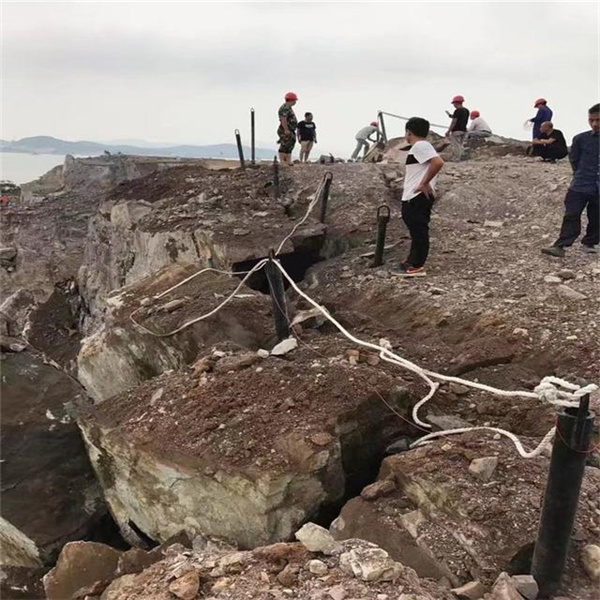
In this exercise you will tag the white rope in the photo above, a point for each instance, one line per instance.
(256, 267)
(311, 205)
(383, 112)
(511, 436)
(548, 391)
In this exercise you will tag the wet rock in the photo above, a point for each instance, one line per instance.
(590, 558)
(504, 589)
(526, 585)
(317, 567)
(380, 488)
(316, 539)
(483, 468)
(370, 564)
(566, 292)
(284, 347)
(474, 590)
(79, 565)
(186, 587)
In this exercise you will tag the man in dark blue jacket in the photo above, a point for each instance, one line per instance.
(544, 113)
(583, 191)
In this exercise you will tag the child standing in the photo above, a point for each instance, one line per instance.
(307, 136)
(422, 166)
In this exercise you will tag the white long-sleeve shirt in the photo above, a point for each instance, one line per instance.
(478, 124)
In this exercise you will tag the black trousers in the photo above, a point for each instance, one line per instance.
(551, 152)
(416, 214)
(575, 203)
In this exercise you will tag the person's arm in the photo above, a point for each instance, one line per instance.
(433, 168)
(315, 136)
(575, 153)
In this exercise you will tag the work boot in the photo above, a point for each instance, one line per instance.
(588, 249)
(554, 251)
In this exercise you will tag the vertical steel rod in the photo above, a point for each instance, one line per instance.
(252, 138)
(382, 126)
(383, 218)
(238, 139)
(277, 290)
(567, 466)
(325, 195)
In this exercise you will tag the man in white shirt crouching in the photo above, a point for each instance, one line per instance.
(422, 166)
(478, 127)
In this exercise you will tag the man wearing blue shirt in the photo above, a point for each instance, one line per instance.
(544, 113)
(583, 191)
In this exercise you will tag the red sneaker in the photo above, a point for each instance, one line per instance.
(415, 272)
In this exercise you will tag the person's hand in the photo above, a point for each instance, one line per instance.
(424, 188)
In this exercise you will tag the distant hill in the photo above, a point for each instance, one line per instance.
(43, 144)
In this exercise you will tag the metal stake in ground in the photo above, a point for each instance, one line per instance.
(277, 290)
(567, 465)
(382, 126)
(238, 139)
(275, 178)
(325, 196)
(383, 218)
(252, 140)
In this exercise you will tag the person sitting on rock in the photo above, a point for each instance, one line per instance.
(583, 191)
(307, 136)
(363, 137)
(551, 145)
(287, 129)
(478, 127)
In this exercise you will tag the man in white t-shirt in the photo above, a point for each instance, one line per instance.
(422, 166)
(478, 127)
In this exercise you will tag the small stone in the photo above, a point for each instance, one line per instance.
(493, 223)
(186, 587)
(317, 567)
(287, 578)
(458, 389)
(526, 586)
(552, 279)
(470, 591)
(321, 438)
(570, 293)
(521, 332)
(380, 488)
(262, 353)
(337, 592)
(316, 539)
(567, 274)
(353, 356)
(240, 231)
(284, 347)
(483, 468)
(370, 564)
(504, 589)
(590, 557)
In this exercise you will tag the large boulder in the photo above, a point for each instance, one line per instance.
(49, 493)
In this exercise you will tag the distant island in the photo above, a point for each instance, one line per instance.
(43, 144)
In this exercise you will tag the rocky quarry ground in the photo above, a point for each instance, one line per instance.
(156, 455)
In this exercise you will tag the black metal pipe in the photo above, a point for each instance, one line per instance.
(567, 465)
(252, 138)
(383, 218)
(238, 139)
(275, 177)
(382, 126)
(277, 291)
(325, 195)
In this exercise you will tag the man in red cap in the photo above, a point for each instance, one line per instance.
(287, 129)
(458, 126)
(544, 113)
(363, 137)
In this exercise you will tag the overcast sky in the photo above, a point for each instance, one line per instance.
(189, 72)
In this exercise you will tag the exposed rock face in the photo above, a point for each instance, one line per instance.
(440, 518)
(200, 455)
(121, 355)
(49, 493)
